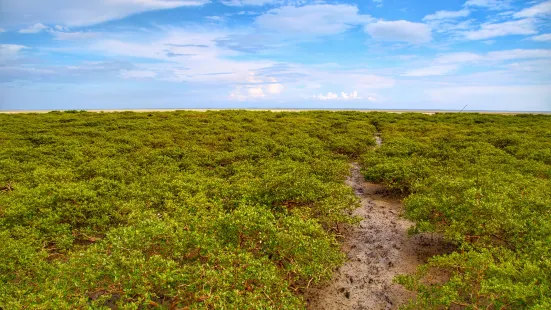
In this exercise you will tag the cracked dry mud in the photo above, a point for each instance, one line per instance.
(377, 250)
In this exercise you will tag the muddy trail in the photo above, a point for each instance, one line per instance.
(377, 250)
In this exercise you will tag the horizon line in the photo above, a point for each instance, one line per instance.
(426, 111)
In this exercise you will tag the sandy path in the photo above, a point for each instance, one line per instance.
(377, 250)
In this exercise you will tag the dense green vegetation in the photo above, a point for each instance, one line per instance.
(483, 181)
(237, 209)
(220, 210)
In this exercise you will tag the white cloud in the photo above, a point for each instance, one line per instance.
(88, 67)
(275, 88)
(400, 30)
(460, 57)
(11, 73)
(447, 15)
(542, 37)
(501, 97)
(10, 52)
(95, 71)
(242, 93)
(540, 9)
(258, 87)
(450, 26)
(216, 18)
(490, 30)
(535, 69)
(33, 29)
(249, 2)
(495, 56)
(378, 3)
(78, 35)
(190, 56)
(331, 77)
(256, 92)
(495, 5)
(137, 74)
(82, 12)
(60, 32)
(519, 54)
(449, 21)
(247, 13)
(297, 77)
(197, 59)
(2, 30)
(406, 57)
(343, 96)
(329, 96)
(318, 19)
(526, 65)
(431, 71)
(252, 78)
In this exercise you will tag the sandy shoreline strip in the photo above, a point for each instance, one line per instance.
(284, 110)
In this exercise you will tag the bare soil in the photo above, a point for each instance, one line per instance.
(377, 250)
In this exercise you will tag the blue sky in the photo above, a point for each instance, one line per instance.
(372, 54)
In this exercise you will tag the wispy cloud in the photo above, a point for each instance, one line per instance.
(518, 54)
(81, 72)
(493, 30)
(83, 12)
(257, 87)
(342, 96)
(257, 2)
(59, 32)
(10, 52)
(495, 56)
(461, 57)
(137, 74)
(495, 5)
(328, 19)
(542, 38)
(439, 15)
(431, 71)
(77, 35)
(34, 28)
(541, 9)
(525, 97)
(401, 31)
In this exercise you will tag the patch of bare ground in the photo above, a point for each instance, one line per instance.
(377, 250)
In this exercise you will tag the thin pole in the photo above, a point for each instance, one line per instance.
(463, 108)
